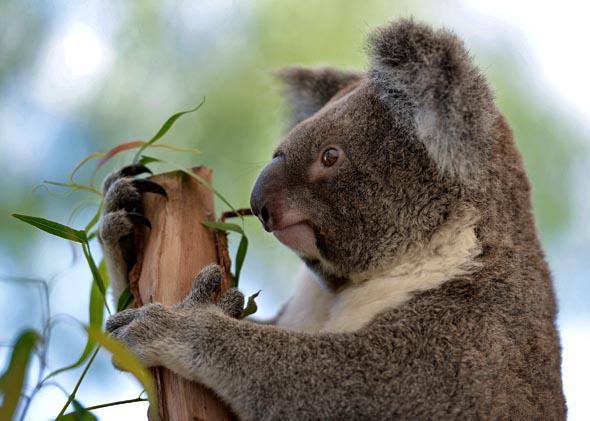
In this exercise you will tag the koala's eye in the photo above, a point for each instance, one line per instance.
(330, 157)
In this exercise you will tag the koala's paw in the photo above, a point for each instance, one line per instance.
(144, 330)
(150, 330)
(123, 210)
(205, 287)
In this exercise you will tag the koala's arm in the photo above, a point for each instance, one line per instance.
(266, 372)
(262, 371)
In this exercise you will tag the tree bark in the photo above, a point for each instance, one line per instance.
(170, 255)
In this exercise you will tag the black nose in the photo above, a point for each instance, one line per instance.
(259, 207)
(262, 196)
(257, 198)
(264, 215)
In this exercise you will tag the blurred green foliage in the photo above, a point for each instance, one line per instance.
(166, 62)
(167, 56)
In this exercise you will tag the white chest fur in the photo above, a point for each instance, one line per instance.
(450, 253)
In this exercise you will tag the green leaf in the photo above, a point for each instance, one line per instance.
(176, 148)
(145, 160)
(127, 361)
(164, 129)
(104, 273)
(82, 162)
(223, 226)
(94, 219)
(96, 275)
(240, 257)
(80, 414)
(251, 306)
(125, 299)
(95, 319)
(72, 395)
(73, 186)
(54, 228)
(77, 209)
(13, 379)
(242, 247)
(107, 156)
(200, 179)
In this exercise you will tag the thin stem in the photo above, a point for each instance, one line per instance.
(74, 186)
(104, 405)
(237, 213)
(78, 383)
(60, 387)
(27, 400)
(41, 353)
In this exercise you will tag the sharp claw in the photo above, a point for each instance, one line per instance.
(134, 169)
(144, 185)
(138, 218)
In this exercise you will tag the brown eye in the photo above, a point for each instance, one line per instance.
(330, 157)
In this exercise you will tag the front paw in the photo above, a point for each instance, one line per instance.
(123, 203)
(143, 330)
(206, 288)
(122, 213)
(156, 334)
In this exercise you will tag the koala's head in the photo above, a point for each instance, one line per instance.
(375, 162)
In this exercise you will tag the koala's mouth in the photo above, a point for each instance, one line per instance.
(299, 237)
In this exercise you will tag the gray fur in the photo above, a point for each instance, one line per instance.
(430, 73)
(424, 147)
(204, 286)
(122, 206)
(307, 90)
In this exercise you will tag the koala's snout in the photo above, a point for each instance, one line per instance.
(273, 202)
(263, 198)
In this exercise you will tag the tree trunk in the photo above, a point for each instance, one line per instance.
(170, 256)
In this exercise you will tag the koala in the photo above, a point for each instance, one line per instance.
(425, 293)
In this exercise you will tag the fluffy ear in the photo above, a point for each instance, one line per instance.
(430, 75)
(309, 89)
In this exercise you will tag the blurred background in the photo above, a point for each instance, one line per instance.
(79, 77)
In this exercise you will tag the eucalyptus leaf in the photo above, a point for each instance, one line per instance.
(96, 275)
(104, 274)
(73, 186)
(251, 306)
(54, 228)
(125, 299)
(80, 414)
(200, 179)
(145, 160)
(83, 162)
(240, 257)
(94, 219)
(13, 379)
(107, 156)
(242, 247)
(176, 148)
(223, 226)
(95, 319)
(125, 359)
(164, 129)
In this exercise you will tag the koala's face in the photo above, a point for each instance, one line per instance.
(350, 185)
(363, 175)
